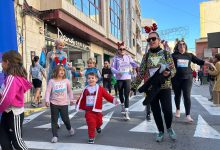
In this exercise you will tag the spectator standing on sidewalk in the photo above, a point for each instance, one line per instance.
(215, 71)
(107, 76)
(211, 81)
(57, 94)
(120, 66)
(12, 101)
(149, 65)
(200, 76)
(194, 74)
(182, 81)
(36, 73)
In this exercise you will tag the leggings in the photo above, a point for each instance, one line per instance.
(185, 86)
(124, 87)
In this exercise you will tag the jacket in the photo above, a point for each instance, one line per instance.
(12, 92)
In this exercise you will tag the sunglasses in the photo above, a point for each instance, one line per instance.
(151, 39)
(182, 44)
(121, 49)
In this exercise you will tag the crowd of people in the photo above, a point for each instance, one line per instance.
(160, 69)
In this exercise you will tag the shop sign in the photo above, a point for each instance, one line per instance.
(71, 40)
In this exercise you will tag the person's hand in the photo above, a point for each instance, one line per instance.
(166, 73)
(117, 102)
(47, 104)
(171, 66)
(72, 102)
(211, 65)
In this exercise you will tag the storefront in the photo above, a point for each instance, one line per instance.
(78, 51)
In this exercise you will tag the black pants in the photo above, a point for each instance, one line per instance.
(11, 131)
(148, 110)
(163, 98)
(185, 86)
(116, 89)
(107, 85)
(55, 110)
(124, 87)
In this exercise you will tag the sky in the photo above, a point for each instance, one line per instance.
(173, 14)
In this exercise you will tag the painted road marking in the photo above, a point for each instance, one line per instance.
(209, 106)
(204, 130)
(32, 117)
(72, 146)
(48, 125)
(146, 126)
(106, 120)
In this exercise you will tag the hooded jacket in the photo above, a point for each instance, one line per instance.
(12, 92)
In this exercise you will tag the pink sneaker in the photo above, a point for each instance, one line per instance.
(189, 119)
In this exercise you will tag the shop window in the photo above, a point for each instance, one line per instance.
(115, 18)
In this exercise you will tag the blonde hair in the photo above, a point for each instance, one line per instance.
(91, 60)
(59, 41)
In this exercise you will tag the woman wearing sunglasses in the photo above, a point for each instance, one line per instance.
(182, 81)
(120, 66)
(151, 62)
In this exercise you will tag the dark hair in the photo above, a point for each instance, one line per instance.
(217, 56)
(92, 74)
(155, 33)
(56, 71)
(15, 65)
(36, 58)
(176, 46)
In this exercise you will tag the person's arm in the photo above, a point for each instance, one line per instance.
(30, 74)
(197, 61)
(171, 65)
(215, 70)
(142, 73)
(132, 62)
(43, 72)
(114, 66)
(108, 97)
(70, 92)
(48, 93)
(9, 93)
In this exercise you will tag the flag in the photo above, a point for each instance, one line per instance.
(8, 33)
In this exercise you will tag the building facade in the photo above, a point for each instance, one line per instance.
(90, 28)
(209, 23)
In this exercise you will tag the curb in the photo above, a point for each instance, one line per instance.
(29, 111)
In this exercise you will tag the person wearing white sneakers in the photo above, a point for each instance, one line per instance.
(120, 66)
(182, 81)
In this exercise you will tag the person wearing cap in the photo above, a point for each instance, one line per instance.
(120, 66)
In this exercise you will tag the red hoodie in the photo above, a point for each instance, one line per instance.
(12, 92)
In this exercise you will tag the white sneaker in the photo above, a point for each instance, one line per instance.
(54, 139)
(127, 116)
(72, 131)
(189, 119)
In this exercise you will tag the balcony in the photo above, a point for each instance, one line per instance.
(71, 10)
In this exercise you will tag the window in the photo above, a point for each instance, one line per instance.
(115, 18)
(90, 8)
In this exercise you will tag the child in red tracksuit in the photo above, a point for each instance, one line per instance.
(91, 101)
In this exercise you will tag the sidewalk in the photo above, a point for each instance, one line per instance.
(30, 110)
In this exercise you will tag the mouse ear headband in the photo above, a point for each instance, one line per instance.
(152, 28)
(120, 44)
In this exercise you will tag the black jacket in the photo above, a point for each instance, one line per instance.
(183, 64)
(106, 74)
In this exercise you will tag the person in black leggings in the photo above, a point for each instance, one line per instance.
(182, 81)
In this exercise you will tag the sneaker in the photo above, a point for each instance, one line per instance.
(71, 131)
(177, 115)
(159, 136)
(54, 139)
(91, 141)
(122, 108)
(148, 117)
(189, 119)
(171, 133)
(99, 130)
(126, 115)
(210, 99)
(34, 105)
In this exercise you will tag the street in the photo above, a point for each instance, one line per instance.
(202, 134)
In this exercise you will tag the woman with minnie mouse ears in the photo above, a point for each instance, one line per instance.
(151, 62)
(120, 66)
